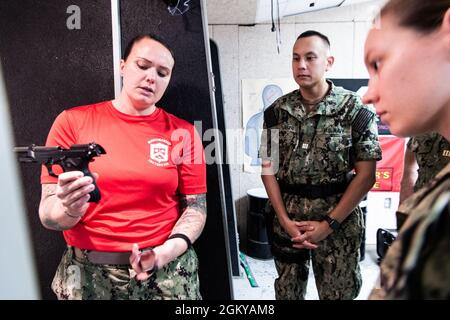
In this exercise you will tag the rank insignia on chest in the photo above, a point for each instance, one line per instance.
(446, 153)
(305, 145)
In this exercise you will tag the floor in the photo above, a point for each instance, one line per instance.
(264, 274)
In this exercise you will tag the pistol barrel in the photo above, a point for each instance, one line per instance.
(77, 157)
(35, 153)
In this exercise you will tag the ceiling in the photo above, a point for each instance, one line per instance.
(260, 11)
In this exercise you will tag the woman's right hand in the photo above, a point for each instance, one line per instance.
(63, 204)
(72, 191)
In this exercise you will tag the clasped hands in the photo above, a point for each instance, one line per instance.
(307, 234)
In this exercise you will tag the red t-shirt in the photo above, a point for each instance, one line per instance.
(148, 161)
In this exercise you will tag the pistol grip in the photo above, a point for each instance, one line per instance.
(95, 194)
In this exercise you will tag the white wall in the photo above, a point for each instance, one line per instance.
(251, 52)
(19, 280)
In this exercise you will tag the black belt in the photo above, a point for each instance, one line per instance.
(102, 257)
(312, 191)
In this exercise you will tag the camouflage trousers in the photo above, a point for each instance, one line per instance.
(82, 280)
(335, 265)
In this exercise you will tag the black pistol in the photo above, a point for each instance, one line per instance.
(76, 158)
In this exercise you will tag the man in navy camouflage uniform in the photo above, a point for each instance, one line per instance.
(425, 156)
(432, 153)
(325, 136)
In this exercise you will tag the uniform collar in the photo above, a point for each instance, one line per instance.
(329, 105)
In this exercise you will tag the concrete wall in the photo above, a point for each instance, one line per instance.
(250, 52)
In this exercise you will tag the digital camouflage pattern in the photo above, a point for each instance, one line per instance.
(319, 147)
(316, 148)
(432, 153)
(82, 280)
(335, 262)
(417, 264)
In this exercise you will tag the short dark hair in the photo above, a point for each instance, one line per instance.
(423, 16)
(311, 33)
(151, 36)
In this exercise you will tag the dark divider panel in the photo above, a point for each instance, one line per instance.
(48, 68)
(350, 84)
(231, 216)
(188, 97)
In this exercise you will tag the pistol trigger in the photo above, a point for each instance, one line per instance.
(50, 170)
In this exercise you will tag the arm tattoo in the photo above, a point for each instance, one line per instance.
(48, 191)
(194, 201)
(193, 215)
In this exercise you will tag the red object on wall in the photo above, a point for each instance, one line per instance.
(390, 168)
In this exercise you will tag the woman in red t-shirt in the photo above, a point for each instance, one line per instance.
(135, 242)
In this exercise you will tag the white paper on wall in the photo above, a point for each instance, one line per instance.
(258, 95)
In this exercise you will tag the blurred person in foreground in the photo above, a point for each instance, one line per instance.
(407, 53)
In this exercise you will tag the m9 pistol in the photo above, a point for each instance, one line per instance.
(76, 158)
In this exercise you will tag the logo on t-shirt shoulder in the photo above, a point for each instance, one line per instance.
(159, 152)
